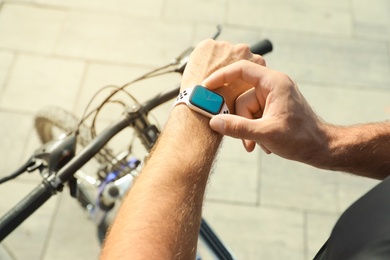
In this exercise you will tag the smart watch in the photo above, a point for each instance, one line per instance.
(203, 101)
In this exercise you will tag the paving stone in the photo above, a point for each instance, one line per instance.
(229, 33)
(213, 11)
(293, 185)
(319, 226)
(371, 19)
(39, 81)
(18, 1)
(14, 131)
(351, 188)
(322, 17)
(257, 233)
(6, 59)
(73, 235)
(262, 206)
(341, 61)
(4, 253)
(146, 8)
(342, 105)
(100, 75)
(29, 28)
(122, 39)
(29, 239)
(236, 175)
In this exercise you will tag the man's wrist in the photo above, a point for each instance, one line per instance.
(187, 121)
(203, 101)
(190, 146)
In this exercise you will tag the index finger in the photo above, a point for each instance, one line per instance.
(244, 70)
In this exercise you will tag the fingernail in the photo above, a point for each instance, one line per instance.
(218, 124)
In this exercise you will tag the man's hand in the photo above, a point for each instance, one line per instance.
(274, 114)
(209, 56)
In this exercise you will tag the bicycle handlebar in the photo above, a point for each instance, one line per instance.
(260, 48)
(25, 208)
(47, 188)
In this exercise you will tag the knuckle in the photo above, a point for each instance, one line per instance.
(288, 81)
(286, 77)
(243, 49)
(259, 60)
(282, 79)
(206, 43)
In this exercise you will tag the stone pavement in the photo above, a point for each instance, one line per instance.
(55, 52)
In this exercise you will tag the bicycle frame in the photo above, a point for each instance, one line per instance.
(136, 117)
(55, 182)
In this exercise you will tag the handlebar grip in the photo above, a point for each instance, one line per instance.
(24, 209)
(262, 47)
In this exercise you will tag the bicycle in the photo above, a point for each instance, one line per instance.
(60, 165)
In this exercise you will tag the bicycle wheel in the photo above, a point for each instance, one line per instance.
(52, 122)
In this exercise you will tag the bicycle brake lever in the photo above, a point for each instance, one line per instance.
(55, 154)
(36, 164)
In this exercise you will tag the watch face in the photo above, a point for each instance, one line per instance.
(206, 100)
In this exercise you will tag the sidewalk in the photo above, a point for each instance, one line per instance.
(55, 52)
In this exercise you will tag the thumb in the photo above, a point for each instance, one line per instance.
(235, 126)
(232, 125)
(238, 127)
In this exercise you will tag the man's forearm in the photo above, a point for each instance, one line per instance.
(362, 150)
(173, 181)
(160, 217)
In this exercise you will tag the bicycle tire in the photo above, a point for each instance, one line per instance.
(52, 117)
(49, 118)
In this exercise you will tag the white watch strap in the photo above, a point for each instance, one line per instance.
(184, 98)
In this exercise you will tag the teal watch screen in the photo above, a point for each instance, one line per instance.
(206, 100)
